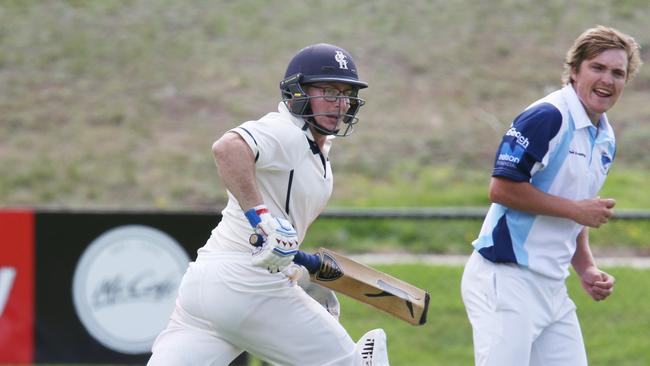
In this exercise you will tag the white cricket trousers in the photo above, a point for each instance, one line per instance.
(226, 306)
(519, 317)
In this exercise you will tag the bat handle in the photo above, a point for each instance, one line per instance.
(256, 240)
(310, 261)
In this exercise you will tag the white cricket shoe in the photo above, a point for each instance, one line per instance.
(371, 349)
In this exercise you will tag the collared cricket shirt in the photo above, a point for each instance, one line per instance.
(292, 173)
(554, 146)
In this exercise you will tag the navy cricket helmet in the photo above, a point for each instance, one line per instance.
(322, 63)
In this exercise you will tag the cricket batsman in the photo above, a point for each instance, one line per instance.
(238, 297)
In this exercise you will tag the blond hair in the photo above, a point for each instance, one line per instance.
(597, 40)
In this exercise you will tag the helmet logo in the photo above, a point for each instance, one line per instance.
(341, 59)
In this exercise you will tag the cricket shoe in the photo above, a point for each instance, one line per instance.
(371, 349)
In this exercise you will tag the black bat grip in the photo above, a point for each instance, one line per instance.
(310, 261)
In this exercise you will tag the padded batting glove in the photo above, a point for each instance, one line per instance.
(279, 242)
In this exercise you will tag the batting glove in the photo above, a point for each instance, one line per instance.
(279, 240)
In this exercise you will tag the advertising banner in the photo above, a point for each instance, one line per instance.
(91, 287)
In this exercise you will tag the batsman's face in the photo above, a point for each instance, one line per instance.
(599, 82)
(329, 102)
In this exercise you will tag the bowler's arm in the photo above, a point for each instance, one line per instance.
(582, 258)
(598, 284)
(523, 196)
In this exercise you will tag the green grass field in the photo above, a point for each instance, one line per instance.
(615, 331)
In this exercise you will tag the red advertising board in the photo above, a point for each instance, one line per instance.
(16, 286)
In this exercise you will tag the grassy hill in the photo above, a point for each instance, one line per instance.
(116, 103)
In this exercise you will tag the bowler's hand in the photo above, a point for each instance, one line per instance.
(595, 212)
(598, 284)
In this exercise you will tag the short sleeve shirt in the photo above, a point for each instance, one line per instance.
(554, 146)
(293, 175)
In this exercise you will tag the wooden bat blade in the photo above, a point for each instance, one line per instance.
(372, 287)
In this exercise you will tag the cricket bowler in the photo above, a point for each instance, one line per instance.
(548, 170)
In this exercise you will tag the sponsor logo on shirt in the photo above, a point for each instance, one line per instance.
(509, 156)
(577, 153)
(521, 139)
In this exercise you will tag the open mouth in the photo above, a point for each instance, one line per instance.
(603, 93)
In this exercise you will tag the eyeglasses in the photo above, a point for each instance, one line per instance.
(331, 94)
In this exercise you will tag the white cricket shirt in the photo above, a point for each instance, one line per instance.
(554, 146)
(293, 175)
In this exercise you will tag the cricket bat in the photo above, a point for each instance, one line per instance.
(367, 285)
